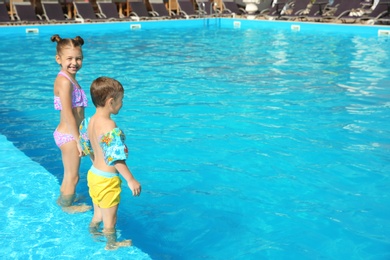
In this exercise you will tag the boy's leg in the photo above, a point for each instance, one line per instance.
(96, 220)
(97, 214)
(109, 221)
(109, 217)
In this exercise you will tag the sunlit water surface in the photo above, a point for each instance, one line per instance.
(249, 144)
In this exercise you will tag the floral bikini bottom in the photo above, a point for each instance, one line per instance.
(61, 138)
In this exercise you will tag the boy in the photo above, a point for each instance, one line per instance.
(104, 142)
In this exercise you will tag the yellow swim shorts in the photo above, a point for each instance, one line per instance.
(104, 187)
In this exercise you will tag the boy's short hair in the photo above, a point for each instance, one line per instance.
(104, 88)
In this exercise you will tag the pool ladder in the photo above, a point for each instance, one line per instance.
(206, 15)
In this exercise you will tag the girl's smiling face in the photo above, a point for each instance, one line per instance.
(70, 59)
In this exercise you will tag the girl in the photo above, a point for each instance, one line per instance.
(70, 100)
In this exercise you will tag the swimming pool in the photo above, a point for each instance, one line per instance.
(254, 141)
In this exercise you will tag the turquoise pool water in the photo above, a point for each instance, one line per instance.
(263, 143)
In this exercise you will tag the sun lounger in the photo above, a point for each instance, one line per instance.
(5, 19)
(343, 11)
(299, 10)
(139, 10)
(52, 12)
(264, 6)
(330, 9)
(109, 10)
(230, 7)
(320, 9)
(160, 10)
(25, 13)
(380, 14)
(276, 10)
(187, 9)
(84, 12)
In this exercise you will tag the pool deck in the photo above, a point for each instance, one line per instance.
(234, 23)
(33, 226)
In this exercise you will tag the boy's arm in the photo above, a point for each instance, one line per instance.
(133, 184)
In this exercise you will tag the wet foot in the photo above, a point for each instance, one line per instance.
(116, 245)
(77, 209)
(94, 230)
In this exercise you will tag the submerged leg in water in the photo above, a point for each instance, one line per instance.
(66, 201)
(112, 243)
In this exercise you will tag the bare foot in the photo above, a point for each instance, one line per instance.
(79, 198)
(116, 245)
(77, 209)
(94, 230)
(124, 243)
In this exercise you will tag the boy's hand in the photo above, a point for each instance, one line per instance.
(135, 187)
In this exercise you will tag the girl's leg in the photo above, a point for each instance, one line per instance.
(71, 162)
(109, 221)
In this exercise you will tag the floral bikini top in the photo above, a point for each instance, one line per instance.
(79, 99)
(112, 143)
